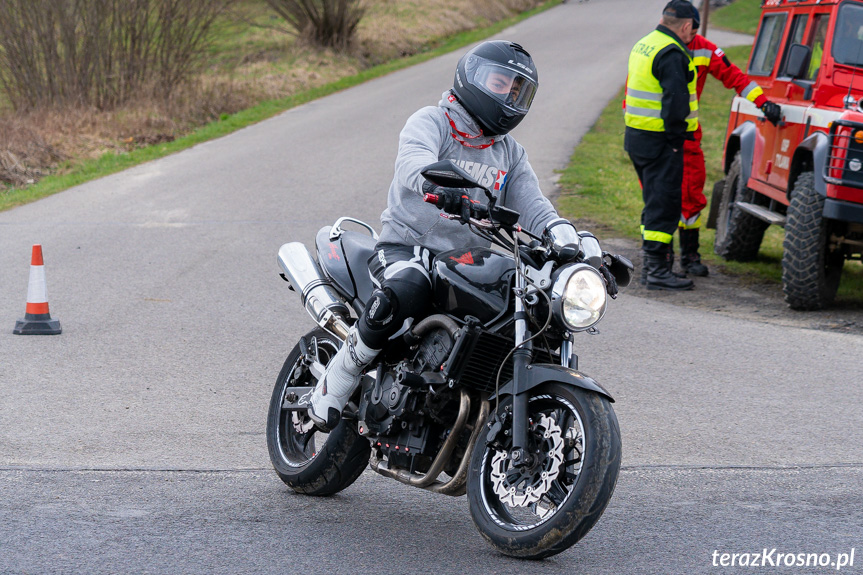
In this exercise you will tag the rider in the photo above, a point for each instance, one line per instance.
(494, 86)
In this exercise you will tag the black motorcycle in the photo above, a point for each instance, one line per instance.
(482, 397)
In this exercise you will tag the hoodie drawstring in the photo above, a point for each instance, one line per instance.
(456, 133)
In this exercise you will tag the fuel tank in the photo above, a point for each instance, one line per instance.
(474, 281)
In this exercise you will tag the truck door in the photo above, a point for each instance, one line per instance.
(762, 64)
(796, 98)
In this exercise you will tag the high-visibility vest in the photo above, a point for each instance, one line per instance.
(643, 92)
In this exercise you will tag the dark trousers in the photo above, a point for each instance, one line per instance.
(660, 170)
(402, 276)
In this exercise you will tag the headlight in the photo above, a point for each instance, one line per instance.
(579, 297)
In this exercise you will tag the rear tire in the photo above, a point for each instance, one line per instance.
(306, 459)
(575, 480)
(738, 234)
(810, 269)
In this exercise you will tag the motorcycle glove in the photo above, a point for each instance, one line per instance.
(449, 199)
(610, 282)
(772, 112)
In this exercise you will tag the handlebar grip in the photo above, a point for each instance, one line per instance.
(431, 199)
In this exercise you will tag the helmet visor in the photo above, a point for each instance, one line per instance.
(509, 87)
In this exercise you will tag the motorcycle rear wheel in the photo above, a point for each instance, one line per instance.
(541, 511)
(307, 460)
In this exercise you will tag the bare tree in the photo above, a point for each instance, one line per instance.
(99, 52)
(328, 23)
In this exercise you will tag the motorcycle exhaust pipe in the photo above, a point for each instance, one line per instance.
(319, 297)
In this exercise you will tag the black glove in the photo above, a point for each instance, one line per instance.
(772, 112)
(619, 266)
(610, 282)
(448, 199)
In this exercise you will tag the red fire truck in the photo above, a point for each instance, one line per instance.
(806, 173)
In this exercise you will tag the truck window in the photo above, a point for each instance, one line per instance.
(848, 37)
(767, 44)
(798, 28)
(819, 33)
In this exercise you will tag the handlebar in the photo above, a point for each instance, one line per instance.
(461, 206)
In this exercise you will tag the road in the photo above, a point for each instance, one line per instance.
(134, 442)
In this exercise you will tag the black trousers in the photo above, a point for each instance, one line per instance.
(402, 275)
(660, 170)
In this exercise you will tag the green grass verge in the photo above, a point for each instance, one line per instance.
(111, 162)
(741, 16)
(600, 185)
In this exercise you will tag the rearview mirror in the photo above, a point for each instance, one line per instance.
(798, 61)
(447, 174)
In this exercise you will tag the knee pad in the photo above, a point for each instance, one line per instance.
(380, 315)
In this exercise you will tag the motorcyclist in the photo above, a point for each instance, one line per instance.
(493, 88)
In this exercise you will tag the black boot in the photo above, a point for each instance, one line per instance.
(689, 258)
(669, 259)
(659, 276)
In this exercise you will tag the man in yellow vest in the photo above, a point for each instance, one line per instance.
(661, 112)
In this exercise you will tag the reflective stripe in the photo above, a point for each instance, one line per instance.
(643, 95)
(692, 115)
(661, 237)
(692, 223)
(702, 56)
(750, 91)
(643, 112)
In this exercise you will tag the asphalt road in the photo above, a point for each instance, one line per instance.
(134, 442)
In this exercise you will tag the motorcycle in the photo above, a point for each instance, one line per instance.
(482, 397)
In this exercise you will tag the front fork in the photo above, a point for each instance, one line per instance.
(521, 358)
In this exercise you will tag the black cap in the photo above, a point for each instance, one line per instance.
(681, 9)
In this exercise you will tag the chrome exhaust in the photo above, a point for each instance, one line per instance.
(320, 299)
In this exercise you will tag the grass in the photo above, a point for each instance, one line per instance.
(741, 16)
(600, 185)
(250, 61)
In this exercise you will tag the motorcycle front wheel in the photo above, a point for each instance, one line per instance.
(307, 460)
(544, 508)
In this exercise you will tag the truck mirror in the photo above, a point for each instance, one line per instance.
(798, 60)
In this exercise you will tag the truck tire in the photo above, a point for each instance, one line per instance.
(810, 269)
(738, 234)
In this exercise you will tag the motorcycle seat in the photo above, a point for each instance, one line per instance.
(358, 248)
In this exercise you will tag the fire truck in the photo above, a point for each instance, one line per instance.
(805, 173)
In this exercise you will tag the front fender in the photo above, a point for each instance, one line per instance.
(745, 134)
(811, 154)
(539, 373)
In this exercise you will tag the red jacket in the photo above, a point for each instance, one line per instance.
(709, 58)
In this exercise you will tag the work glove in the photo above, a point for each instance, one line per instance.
(772, 112)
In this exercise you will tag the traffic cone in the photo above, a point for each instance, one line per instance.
(37, 320)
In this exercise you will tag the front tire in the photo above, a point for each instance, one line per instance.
(738, 234)
(539, 512)
(307, 460)
(810, 269)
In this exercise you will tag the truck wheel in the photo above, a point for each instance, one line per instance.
(810, 267)
(738, 234)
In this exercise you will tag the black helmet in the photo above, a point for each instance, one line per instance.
(496, 83)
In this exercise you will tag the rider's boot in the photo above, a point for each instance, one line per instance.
(659, 276)
(339, 381)
(690, 260)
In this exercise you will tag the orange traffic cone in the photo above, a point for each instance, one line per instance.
(37, 320)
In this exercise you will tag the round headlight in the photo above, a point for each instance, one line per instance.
(579, 297)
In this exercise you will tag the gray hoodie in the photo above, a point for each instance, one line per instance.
(429, 137)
